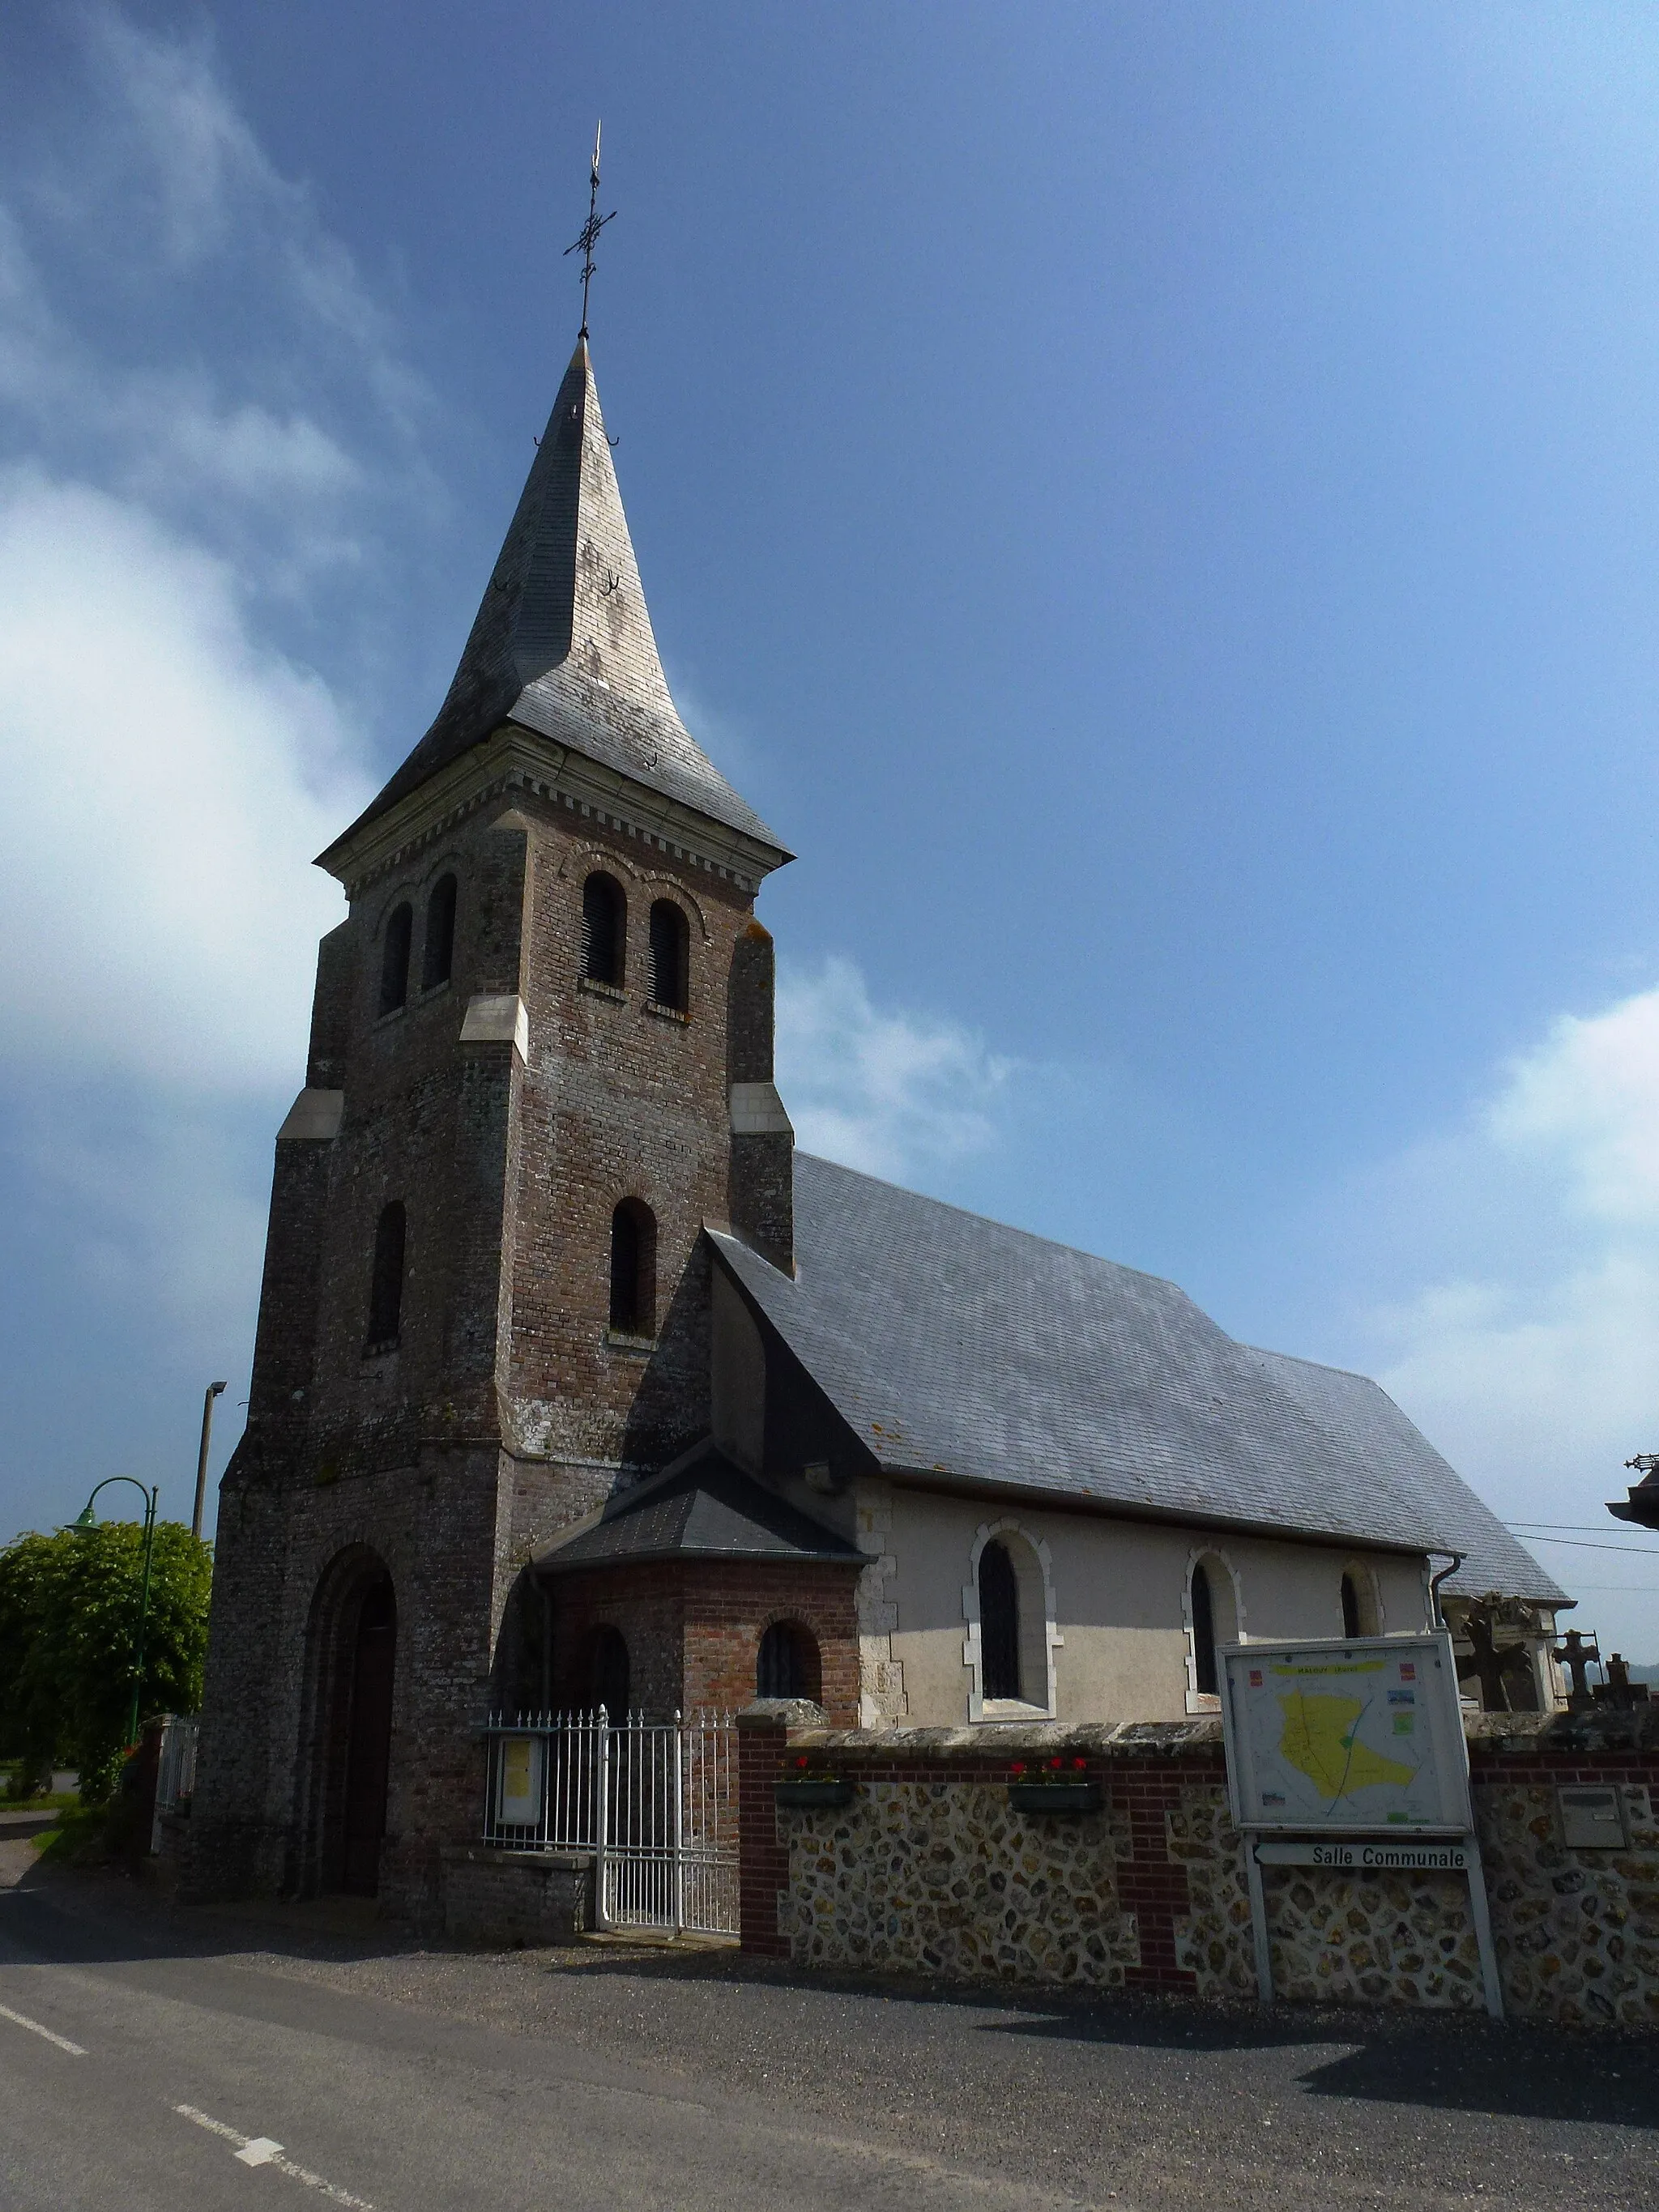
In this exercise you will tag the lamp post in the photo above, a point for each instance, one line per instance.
(87, 1519)
(213, 1391)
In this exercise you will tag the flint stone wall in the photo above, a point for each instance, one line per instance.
(930, 1870)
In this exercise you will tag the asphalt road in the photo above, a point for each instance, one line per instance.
(156, 2058)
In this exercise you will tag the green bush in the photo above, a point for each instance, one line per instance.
(69, 1626)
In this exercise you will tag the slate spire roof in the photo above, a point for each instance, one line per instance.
(563, 644)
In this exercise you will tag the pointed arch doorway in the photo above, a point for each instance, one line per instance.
(368, 1740)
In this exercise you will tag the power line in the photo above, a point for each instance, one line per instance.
(1575, 1544)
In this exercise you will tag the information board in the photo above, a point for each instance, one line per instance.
(1361, 1736)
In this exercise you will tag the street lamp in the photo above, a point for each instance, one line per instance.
(87, 1519)
(213, 1391)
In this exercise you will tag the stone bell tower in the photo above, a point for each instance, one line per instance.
(540, 1060)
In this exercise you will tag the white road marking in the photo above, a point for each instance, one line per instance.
(260, 2150)
(22, 2019)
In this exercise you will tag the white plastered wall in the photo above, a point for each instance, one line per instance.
(1116, 1604)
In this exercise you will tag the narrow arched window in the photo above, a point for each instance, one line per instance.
(386, 1290)
(634, 1269)
(788, 1663)
(1205, 1679)
(1351, 1607)
(605, 929)
(394, 957)
(670, 950)
(438, 951)
(998, 1621)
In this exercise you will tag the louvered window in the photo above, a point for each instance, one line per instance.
(386, 1292)
(604, 921)
(438, 953)
(669, 950)
(394, 958)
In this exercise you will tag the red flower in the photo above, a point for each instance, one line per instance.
(1081, 1765)
(1055, 1765)
(1019, 1767)
(802, 1761)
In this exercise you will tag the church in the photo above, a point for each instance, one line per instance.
(575, 1383)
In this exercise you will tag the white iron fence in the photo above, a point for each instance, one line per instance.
(654, 1803)
(175, 1777)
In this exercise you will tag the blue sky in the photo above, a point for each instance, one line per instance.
(1159, 508)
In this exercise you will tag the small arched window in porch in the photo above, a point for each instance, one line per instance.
(788, 1663)
(604, 1673)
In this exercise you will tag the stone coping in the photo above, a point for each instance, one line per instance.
(996, 1741)
(491, 1855)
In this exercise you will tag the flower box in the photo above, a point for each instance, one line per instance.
(1055, 1796)
(804, 1791)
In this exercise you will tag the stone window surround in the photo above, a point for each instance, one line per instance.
(980, 1708)
(1201, 1701)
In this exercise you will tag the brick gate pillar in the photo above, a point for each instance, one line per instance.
(762, 1859)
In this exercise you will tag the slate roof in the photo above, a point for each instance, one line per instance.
(704, 1508)
(956, 1346)
(563, 642)
(1353, 1409)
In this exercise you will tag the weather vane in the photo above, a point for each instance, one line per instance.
(588, 237)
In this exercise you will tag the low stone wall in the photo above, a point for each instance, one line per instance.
(929, 1869)
(505, 1898)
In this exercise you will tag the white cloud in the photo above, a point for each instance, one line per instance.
(167, 779)
(209, 424)
(1532, 1356)
(891, 1092)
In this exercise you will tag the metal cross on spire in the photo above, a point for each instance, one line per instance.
(588, 237)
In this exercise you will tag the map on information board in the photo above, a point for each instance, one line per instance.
(1360, 1734)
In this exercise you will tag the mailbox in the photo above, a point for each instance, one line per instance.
(1592, 1819)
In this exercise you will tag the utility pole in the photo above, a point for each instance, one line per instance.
(213, 1391)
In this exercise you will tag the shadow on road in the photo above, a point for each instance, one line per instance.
(1450, 2063)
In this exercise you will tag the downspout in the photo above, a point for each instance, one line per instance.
(1457, 1559)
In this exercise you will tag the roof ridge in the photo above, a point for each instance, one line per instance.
(990, 1221)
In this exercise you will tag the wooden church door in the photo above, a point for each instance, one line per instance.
(368, 1755)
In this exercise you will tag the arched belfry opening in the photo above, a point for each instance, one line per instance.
(345, 1748)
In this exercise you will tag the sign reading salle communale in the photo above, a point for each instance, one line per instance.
(1362, 1735)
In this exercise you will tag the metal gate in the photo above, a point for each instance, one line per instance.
(653, 1803)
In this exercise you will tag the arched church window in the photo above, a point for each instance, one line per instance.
(1362, 1611)
(634, 1269)
(670, 948)
(394, 957)
(1351, 1607)
(1204, 1666)
(438, 951)
(386, 1292)
(788, 1663)
(605, 929)
(998, 1621)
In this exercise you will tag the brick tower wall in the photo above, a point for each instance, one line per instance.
(506, 1408)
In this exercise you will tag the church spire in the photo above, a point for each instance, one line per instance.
(563, 645)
